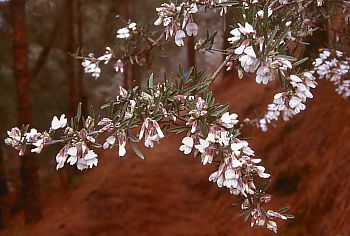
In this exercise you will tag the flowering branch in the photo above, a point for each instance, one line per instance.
(265, 38)
(211, 132)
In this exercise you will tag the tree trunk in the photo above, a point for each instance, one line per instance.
(191, 52)
(70, 61)
(128, 68)
(3, 188)
(83, 97)
(228, 75)
(29, 165)
(338, 29)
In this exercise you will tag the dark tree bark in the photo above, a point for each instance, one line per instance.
(128, 68)
(3, 188)
(191, 52)
(29, 165)
(70, 62)
(83, 97)
(228, 75)
(338, 28)
(42, 58)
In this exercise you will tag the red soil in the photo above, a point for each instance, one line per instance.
(169, 193)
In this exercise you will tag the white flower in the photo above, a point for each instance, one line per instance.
(88, 161)
(303, 92)
(191, 29)
(263, 75)
(211, 138)
(73, 155)
(261, 172)
(16, 140)
(310, 80)
(230, 179)
(109, 142)
(61, 157)
(132, 26)
(319, 3)
(107, 56)
(92, 67)
(180, 34)
(260, 14)
(58, 123)
(123, 33)
(207, 152)
(295, 79)
(202, 146)
(39, 144)
(152, 131)
(123, 92)
(193, 8)
(236, 36)
(271, 225)
(240, 49)
(240, 73)
(122, 144)
(249, 62)
(187, 145)
(296, 104)
(247, 29)
(96, 73)
(241, 146)
(159, 21)
(228, 121)
(31, 136)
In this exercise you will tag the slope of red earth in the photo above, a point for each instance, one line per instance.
(169, 193)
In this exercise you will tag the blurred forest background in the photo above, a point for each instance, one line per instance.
(167, 194)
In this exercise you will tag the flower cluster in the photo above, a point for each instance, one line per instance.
(126, 32)
(250, 50)
(77, 153)
(170, 16)
(238, 167)
(290, 102)
(152, 131)
(92, 65)
(110, 141)
(17, 139)
(237, 170)
(334, 66)
(199, 111)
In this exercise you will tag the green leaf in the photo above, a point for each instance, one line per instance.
(78, 116)
(297, 63)
(284, 209)
(134, 139)
(204, 128)
(150, 81)
(219, 110)
(265, 186)
(178, 130)
(137, 150)
(92, 112)
(290, 58)
(289, 216)
(189, 73)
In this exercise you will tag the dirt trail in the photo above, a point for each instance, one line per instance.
(169, 193)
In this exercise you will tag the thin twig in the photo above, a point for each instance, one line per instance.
(218, 70)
